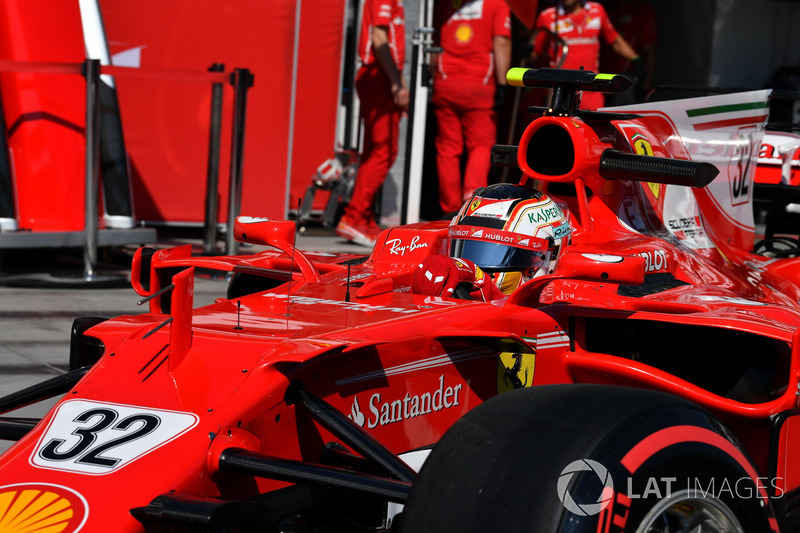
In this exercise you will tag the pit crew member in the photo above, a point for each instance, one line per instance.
(468, 77)
(581, 24)
(384, 97)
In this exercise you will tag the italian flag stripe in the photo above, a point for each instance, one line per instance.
(731, 108)
(730, 122)
(708, 118)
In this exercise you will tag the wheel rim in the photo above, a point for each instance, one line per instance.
(685, 512)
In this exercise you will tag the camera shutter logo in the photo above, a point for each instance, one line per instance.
(585, 509)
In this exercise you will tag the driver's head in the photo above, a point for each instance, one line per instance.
(571, 5)
(512, 232)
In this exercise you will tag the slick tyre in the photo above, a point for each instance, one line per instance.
(588, 458)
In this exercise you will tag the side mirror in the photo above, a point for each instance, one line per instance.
(277, 233)
(625, 270)
(262, 230)
(140, 270)
(84, 350)
(150, 269)
(584, 266)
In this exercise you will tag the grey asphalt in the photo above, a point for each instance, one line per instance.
(41, 293)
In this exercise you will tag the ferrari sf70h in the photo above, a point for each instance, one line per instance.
(647, 380)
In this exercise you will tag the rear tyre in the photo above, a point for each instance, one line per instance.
(588, 458)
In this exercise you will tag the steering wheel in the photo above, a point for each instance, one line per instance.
(462, 291)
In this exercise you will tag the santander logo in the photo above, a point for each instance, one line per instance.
(355, 413)
(384, 411)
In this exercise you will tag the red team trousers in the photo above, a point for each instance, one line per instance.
(381, 125)
(464, 117)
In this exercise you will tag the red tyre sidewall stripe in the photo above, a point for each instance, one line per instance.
(670, 436)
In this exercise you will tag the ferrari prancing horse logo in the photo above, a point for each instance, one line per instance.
(643, 147)
(515, 370)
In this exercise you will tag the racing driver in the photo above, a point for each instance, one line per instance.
(502, 237)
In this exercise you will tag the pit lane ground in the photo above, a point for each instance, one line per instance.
(41, 294)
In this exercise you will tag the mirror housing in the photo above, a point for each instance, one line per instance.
(624, 270)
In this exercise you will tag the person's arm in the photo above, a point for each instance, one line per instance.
(622, 47)
(533, 57)
(502, 58)
(380, 43)
(538, 42)
(640, 69)
(649, 57)
(433, 63)
(441, 275)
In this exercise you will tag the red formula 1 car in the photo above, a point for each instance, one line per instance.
(647, 380)
(776, 199)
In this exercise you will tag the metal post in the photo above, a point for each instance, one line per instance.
(8, 212)
(242, 80)
(212, 175)
(417, 116)
(92, 75)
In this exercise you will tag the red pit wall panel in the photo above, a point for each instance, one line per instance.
(166, 123)
(45, 113)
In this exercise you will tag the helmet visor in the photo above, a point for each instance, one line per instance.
(497, 250)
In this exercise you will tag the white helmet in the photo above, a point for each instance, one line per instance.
(507, 228)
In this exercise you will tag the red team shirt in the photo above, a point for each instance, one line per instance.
(636, 22)
(467, 37)
(388, 13)
(582, 33)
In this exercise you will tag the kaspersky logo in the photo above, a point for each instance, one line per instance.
(40, 508)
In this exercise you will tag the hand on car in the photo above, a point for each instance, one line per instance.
(440, 275)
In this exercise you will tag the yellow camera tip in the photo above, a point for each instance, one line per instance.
(514, 76)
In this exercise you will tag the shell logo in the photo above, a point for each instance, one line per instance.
(464, 33)
(40, 508)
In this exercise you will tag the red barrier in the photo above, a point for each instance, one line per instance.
(166, 122)
(292, 110)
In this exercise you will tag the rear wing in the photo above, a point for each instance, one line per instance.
(694, 158)
(725, 130)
